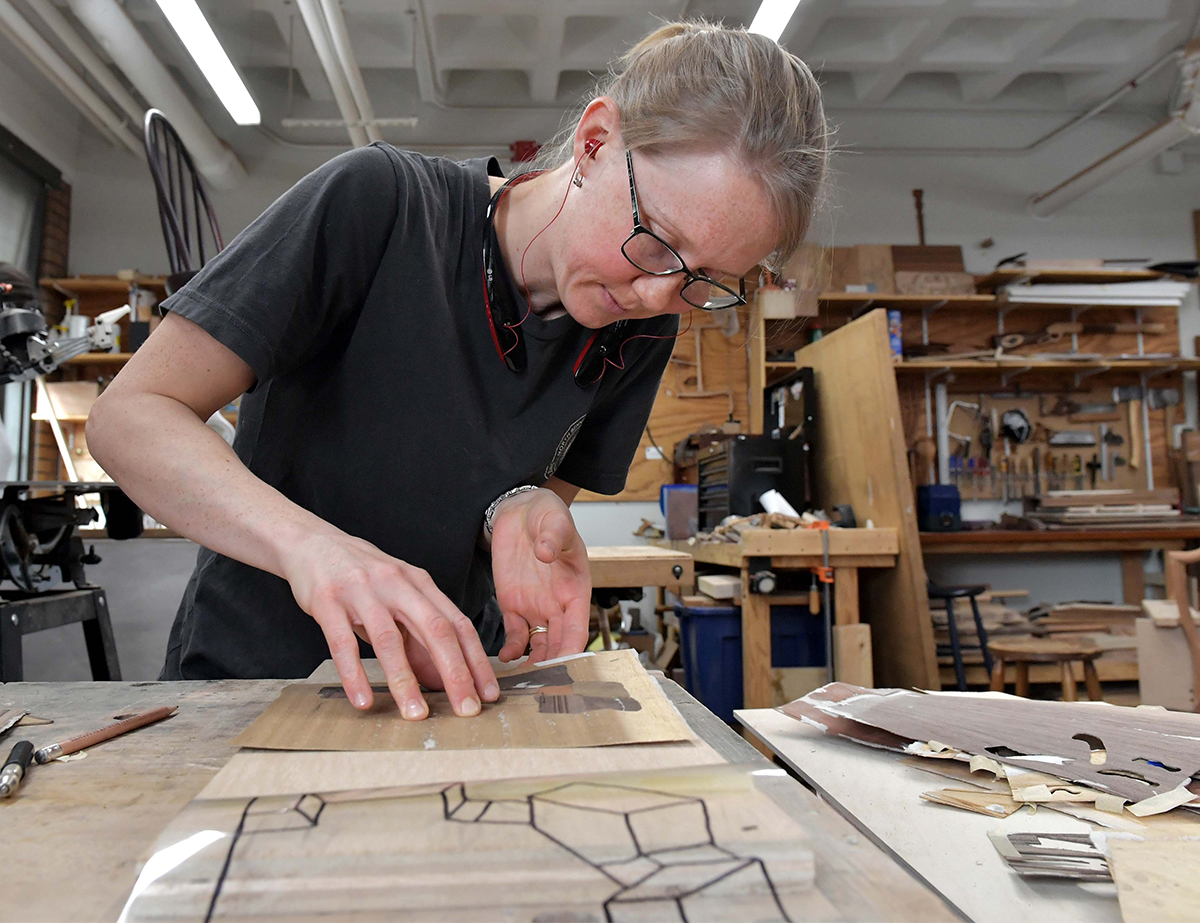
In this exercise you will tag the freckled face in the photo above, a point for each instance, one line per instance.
(703, 204)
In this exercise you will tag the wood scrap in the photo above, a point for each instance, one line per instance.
(1051, 855)
(1145, 751)
(993, 804)
(959, 771)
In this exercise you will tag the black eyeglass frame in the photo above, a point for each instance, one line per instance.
(639, 228)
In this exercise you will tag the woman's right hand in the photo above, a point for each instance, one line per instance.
(352, 589)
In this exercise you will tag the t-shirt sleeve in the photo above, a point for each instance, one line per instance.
(278, 292)
(600, 457)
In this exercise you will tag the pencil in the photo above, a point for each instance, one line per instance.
(54, 751)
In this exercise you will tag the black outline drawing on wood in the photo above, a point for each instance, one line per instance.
(666, 861)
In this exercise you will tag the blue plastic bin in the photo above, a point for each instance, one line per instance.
(710, 640)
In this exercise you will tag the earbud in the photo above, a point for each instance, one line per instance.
(590, 146)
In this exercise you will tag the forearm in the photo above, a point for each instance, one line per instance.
(185, 476)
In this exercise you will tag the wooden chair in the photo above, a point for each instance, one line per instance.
(183, 207)
(1177, 590)
(1021, 652)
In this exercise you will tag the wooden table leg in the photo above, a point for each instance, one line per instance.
(1133, 577)
(845, 595)
(1068, 683)
(852, 660)
(1021, 686)
(1091, 679)
(998, 676)
(756, 647)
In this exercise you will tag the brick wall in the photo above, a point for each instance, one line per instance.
(56, 228)
(56, 232)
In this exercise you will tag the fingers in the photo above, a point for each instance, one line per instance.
(539, 645)
(477, 660)
(482, 676)
(343, 648)
(574, 625)
(516, 638)
(431, 627)
(555, 531)
(388, 643)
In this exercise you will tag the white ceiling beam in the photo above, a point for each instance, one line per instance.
(874, 87)
(304, 57)
(985, 87)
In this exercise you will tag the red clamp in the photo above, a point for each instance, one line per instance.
(823, 574)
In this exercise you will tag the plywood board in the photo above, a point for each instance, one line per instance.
(861, 460)
(592, 700)
(254, 773)
(690, 844)
(947, 850)
(1164, 663)
(1156, 879)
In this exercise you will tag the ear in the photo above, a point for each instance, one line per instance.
(599, 125)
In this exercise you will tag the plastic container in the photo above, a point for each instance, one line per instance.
(710, 641)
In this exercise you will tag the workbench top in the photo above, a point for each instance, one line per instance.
(76, 833)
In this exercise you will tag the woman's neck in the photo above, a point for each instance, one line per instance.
(521, 215)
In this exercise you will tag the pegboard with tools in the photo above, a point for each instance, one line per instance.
(1005, 446)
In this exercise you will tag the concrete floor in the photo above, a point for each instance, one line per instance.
(144, 581)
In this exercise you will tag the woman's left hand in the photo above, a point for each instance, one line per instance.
(540, 567)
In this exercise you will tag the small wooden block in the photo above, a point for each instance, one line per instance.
(719, 586)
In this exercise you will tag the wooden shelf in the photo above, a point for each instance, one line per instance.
(858, 303)
(99, 359)
(101, 285)
(1049, 365)
(1018, 275)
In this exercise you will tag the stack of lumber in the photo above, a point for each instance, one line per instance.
(1076, 509)
(1084, 618)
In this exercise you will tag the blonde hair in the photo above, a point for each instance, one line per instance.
(697, 85)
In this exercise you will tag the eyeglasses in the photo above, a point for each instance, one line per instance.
(654, 256)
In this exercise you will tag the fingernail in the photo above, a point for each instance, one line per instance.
(491, 691)
(414, 709)
(360, 700)
(469, 707)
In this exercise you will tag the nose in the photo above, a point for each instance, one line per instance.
(661, 294)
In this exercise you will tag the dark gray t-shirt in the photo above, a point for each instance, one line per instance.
(380, 402)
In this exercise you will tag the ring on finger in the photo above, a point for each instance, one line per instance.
(538, 629)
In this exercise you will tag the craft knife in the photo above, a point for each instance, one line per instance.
(15, 767)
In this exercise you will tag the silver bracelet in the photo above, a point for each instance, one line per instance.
(491, 510)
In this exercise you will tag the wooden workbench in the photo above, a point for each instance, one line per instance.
(639, 565)
(1130, 544)
(76, 833)
(801, 549)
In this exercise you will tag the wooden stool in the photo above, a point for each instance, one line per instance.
(1022, 652)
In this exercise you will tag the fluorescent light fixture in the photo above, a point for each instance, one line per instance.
(770, 20)
(201, 42)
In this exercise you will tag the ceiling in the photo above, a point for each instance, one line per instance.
(494, 71)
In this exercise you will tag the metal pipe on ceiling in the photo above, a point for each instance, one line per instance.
(117, 34)
(1181, 126)
(91, 62)
(314, 21)
(336, 24)
(50, 63)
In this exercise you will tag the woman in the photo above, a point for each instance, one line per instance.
(437, 362)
